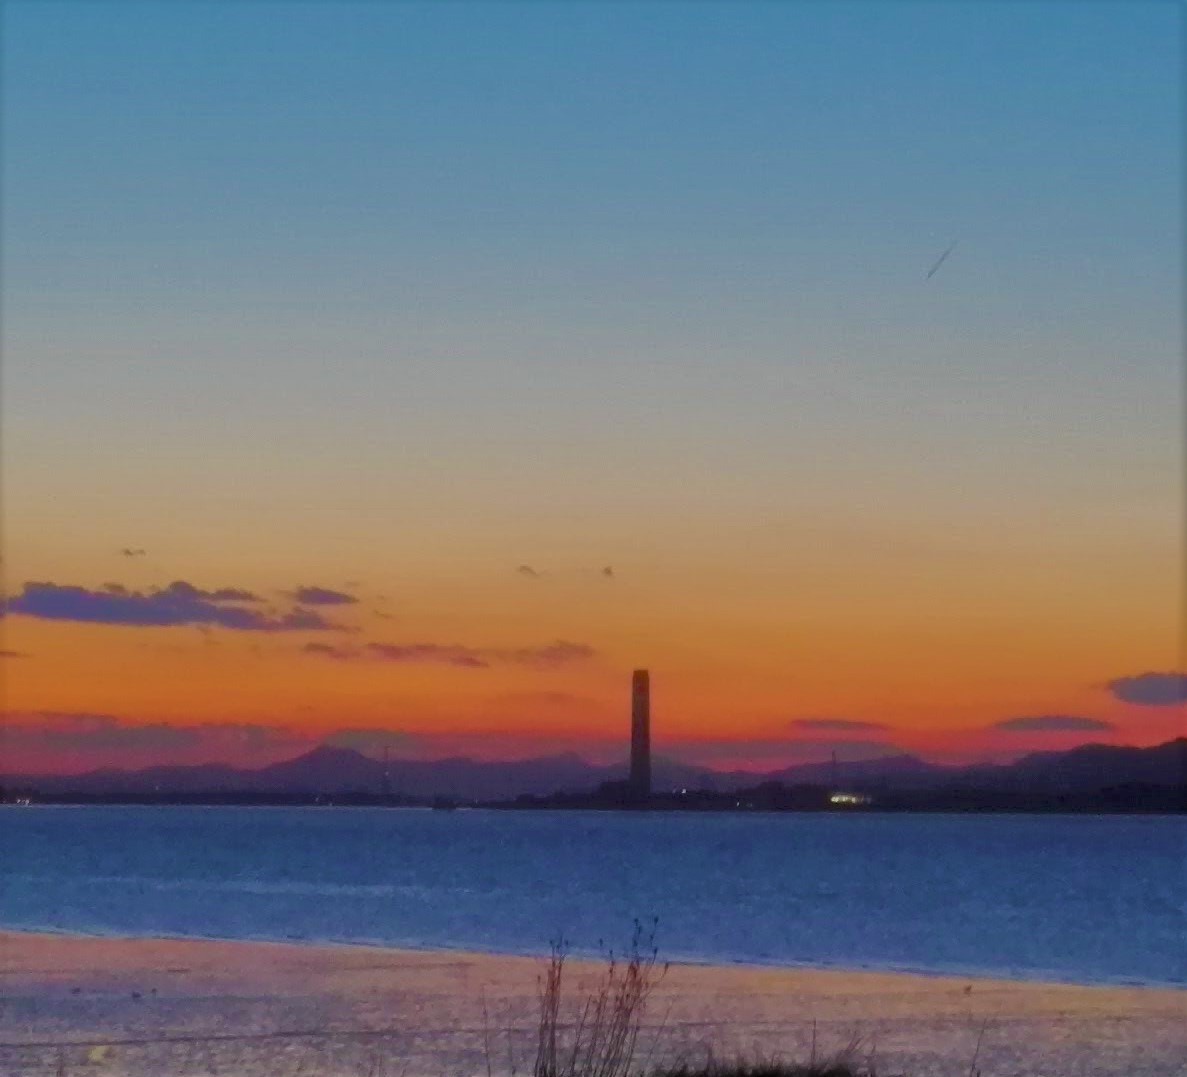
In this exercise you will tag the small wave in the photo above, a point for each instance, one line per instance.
(245, 886)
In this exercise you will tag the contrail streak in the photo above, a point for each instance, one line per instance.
(940, 261)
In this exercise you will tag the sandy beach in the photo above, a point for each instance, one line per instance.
(154, 1007)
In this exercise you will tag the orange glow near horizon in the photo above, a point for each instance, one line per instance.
(736, 687)
(606, 339)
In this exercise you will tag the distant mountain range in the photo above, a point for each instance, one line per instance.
(329, 770)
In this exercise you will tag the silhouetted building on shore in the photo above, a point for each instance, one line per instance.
(640, 780)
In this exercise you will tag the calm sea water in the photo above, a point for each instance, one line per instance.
(1085, 899)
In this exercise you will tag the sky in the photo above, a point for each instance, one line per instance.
(406, 374)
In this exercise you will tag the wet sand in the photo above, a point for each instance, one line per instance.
(168, 1008)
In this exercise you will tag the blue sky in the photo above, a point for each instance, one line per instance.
(541, 204)
(416, 293)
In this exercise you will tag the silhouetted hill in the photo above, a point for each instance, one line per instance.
(203, 777)
(897, 771)
(1093, 766)
(324, 770)
(330, 770)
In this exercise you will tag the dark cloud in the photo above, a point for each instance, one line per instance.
(322, 596)
(1151, 689)
(608, 572)
(1052, 723)
(13, 654)
(180, 603)
(549, 656)
(837, 725)
(528, 572)
(130, 551)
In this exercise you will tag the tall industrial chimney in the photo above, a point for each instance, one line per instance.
(641, 733)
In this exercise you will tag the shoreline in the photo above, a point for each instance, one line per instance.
(257, 1009)
(963, 973)
(1095, 812)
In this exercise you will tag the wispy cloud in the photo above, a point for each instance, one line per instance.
(322, 596)
(180, 603)
(53, 741)
(132, 551)
(528, 572)
(837, 725)
(433, 653)
(444, 654)
(330, 650)
(775, 751)
(1052, 723)
(1151, 689)
(80, 732)
(559, 653)
(544, 699)
(223, 594)
(549, 656)
(303, 620)
(370, 741)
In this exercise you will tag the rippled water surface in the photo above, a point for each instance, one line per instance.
(1083, 898)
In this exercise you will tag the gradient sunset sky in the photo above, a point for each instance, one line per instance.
(408, 373)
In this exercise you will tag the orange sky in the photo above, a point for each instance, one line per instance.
(450, 308)
(746, 663)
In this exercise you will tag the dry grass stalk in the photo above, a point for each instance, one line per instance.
(602, 1040)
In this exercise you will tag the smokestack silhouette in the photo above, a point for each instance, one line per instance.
(641, 733)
